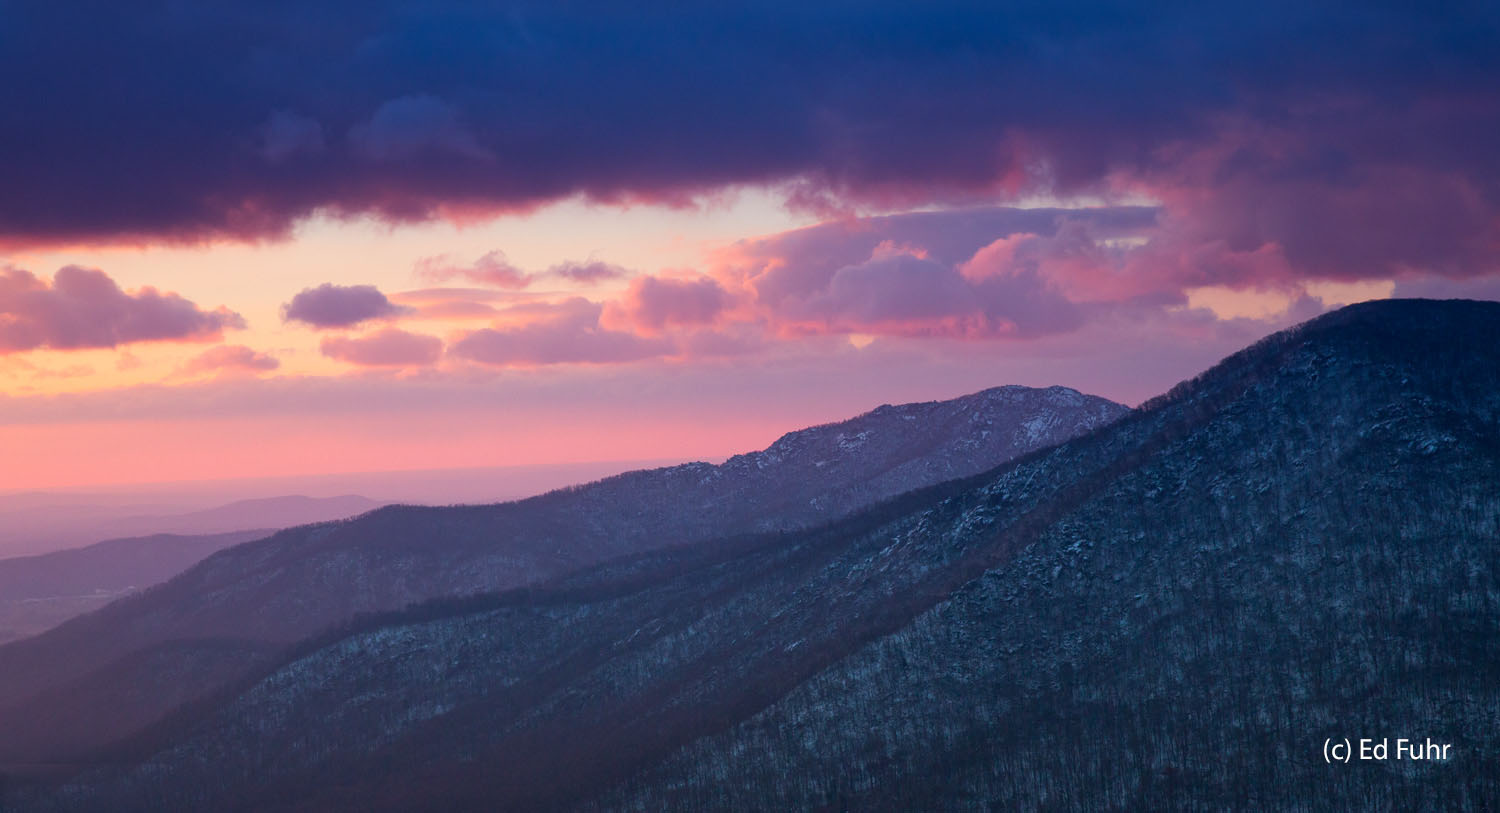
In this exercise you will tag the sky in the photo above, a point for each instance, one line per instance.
(322, 237)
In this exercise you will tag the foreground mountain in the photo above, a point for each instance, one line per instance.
(1174, 611)
(102, 676)
(40, 592)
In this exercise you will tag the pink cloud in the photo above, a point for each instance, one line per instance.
(1074, 262)
(982, 273)
(562, 333)
(490, 269)
(991, 273)
(802, 262)
(494, 269)
(896, 294)
(653, 303)
(84, 308)
(390, 347)
(466, 415)
(231, 358)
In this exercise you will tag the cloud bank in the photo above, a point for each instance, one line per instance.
(1280, 138)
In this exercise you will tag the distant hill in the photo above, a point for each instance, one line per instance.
(1173, 611)
(265, 512)
(103, 675)
(40, 592)
(31, 524)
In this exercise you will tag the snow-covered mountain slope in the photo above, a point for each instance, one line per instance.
(1173, 611)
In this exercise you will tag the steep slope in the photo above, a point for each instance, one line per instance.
(1319, 561)
(56, 695)
(1175, 610)
(39, 592)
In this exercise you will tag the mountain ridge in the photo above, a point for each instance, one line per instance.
(303, 581)
(84, 579)
(934, 622)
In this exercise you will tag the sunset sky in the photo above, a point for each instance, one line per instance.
(307, 238)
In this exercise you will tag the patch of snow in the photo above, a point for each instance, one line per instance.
(849, 443)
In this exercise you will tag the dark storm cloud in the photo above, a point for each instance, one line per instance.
(1356, 139)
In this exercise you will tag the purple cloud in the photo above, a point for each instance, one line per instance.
(587, 273)
(653, 303)
(975, 273)
(336, 306)
(286, 135)
(414, 127)
(84, 308)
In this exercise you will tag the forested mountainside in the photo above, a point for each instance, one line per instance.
(101, 676)
(40, 592)
(1175, 610)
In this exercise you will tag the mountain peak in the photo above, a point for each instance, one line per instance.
(991, 418)
(1432, 341)
(1397, 320)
